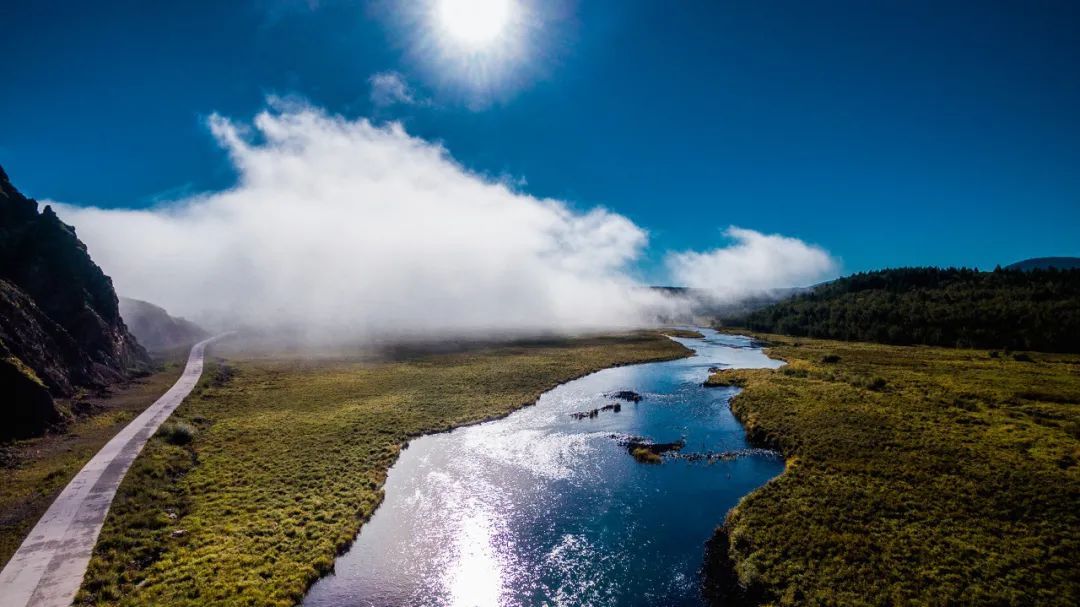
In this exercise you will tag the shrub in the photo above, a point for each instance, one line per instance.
(646, 456)
(177, 433)
(876, 383)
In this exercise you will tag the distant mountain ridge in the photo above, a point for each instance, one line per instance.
(60, 325)
(1046, 263)
(701, 305)
(155, 329)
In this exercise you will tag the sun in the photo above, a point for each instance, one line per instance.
(476, 50)
(475, 24)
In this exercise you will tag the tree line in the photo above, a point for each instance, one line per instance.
(961, 307)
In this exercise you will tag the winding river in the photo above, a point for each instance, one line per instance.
(541, 508)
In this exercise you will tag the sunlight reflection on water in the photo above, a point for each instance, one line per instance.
(475, 576)
(541, 509)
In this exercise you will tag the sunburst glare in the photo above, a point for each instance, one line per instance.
(478, 50)
(474, 23)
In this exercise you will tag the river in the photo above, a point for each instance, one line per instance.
(541, 508)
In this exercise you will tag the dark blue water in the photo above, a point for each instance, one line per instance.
(542, 509)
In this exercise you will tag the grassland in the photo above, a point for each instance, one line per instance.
(34, 471)
(285, 459)
(916, 476)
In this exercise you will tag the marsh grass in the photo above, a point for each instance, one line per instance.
(915, 475)
(724, 379)
(289, 458)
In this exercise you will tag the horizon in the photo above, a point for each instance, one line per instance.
(972, 133)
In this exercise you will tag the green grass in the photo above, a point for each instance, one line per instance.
(288, 457)
(34, 471)
(916, 476)
(724, 379)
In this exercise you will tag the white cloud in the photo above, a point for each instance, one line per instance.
(342, 228)
(752, 264)
(389, 88)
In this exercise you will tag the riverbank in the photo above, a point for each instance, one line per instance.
(283, 460)
(915, 475)
(601, 494)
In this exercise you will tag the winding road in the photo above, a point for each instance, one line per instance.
(48, 567)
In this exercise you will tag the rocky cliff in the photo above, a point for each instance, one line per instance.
(60, 325)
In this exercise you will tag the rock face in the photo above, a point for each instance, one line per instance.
(155, 329)
(60, 325)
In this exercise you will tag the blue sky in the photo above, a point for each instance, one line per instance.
(889, 133)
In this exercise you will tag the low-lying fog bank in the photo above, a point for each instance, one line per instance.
(252, 344)
(343, 231)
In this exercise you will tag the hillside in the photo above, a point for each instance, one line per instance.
(60, 325)
(1021, 310)
(1046, 263)
(155, 329)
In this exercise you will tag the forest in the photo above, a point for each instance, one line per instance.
(953, 307)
